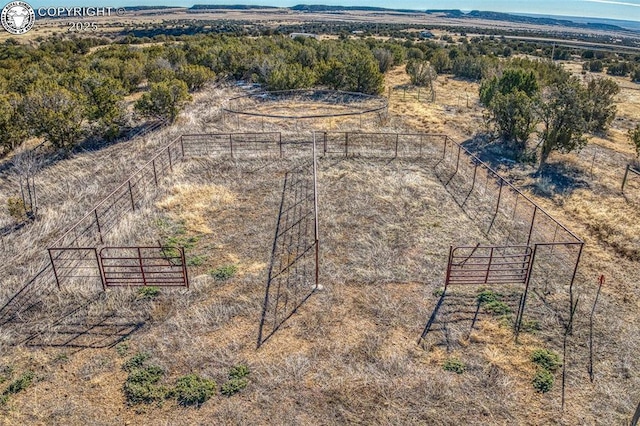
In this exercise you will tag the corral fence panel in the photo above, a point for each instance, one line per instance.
(143, 266)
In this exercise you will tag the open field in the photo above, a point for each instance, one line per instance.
(349, 354)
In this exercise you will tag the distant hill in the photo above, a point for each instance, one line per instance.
(327, 8)
(587, 23)
(230, 7)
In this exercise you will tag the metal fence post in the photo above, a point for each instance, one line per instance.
(155, 174)
(315, 206)
(231, 144)
(523, 301)
(184, 267)
(346, 144)
(133, 205)
(533, 220)
(499, 197)
(169, 153)
(624, 180)
(95, 212)
(101, 270)
(53, 267)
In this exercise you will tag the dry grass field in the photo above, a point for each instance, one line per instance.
(349, 354)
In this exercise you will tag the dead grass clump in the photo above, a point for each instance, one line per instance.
(193, 204)
(611, 219)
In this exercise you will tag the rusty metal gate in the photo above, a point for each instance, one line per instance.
(488, 265)
(143, 266)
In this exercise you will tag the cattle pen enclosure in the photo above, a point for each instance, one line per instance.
(380, 220)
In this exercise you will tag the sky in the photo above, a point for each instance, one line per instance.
(611, 9)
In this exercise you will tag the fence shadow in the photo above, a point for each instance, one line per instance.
(293, 270)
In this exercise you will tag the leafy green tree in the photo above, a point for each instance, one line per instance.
(511, 100)
(384, 58)
(164, 101)
(290, 76)
(333, 73)
(441, 61)
(363, 74)
(421, 73)
(564, 125)
(13, 129)
(469, 67)
(196, 76)
(105, 104)
(593, 66)
(56, 114)
(514, 117)
(599, 107)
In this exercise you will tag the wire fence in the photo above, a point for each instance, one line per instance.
(508, 217)
(293, 272)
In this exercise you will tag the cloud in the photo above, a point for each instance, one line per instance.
(621, 3)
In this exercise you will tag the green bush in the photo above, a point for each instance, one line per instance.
(454, 365)
(487, 296)
(136, 361)
(148, 292)
(546, 359)
(18, 385)
(142, 385)
(234, 386)
(237, 380)
(122, 348)
(224, 272)
(193, 390)
(238, 372)
(497, 308)
(543, 381)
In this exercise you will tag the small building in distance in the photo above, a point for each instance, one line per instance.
(310, 35)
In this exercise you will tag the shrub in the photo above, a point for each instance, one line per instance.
(543, 381)
(237, 380)
(224, 272)
(487, 296)
(141, 385)
(122, 348)
(136, 361)
(193, 390)
(234, 386)
(546, 359)
(454, 365)
(148, 292)
(18, 385)
(16, 208)
(239, 371)
(497, 308)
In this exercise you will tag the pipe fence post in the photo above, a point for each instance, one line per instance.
(133, 204)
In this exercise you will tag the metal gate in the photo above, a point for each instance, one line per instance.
(488, 265)
(143, 266)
